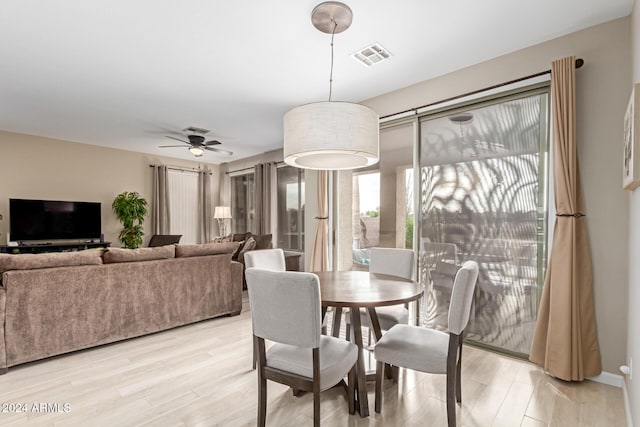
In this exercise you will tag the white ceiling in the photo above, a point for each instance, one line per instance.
(123, 74)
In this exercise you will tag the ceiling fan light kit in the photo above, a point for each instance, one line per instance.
(331, 135)
(197, 144)
(196, 151)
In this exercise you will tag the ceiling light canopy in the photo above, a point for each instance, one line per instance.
(331, 135)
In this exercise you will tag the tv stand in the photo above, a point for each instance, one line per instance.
(39, 248)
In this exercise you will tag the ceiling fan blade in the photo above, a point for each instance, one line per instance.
(212, 142)
(177, 139)
(218, 150)
(170, 146)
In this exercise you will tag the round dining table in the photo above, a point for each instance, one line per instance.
(361, 289)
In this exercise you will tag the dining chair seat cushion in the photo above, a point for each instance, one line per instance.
(337, 357)
(414, 347)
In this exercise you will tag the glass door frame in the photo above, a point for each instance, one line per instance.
(542, 222)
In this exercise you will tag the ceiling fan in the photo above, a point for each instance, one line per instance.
(197, 145)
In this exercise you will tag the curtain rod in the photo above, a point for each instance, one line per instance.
(182, 168)
(278, 164)
(579, 64)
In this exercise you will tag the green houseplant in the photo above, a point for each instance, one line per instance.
(130, 209)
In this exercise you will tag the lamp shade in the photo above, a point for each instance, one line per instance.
(331, 136)
(222, 212)
(196, 151)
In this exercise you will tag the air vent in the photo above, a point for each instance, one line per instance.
(371, 55)
(194, 129)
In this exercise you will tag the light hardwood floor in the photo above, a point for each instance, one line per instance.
(200, 375)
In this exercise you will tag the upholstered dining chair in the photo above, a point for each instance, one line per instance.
(285, 309)
(264, 259)
(164, 239)
(429, 350)
(392, 262)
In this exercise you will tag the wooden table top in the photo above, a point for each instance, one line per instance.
(364, 289)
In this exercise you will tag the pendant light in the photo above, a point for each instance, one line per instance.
(331, 135)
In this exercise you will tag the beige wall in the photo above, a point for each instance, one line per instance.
(603, 89)
(33, 167)
(633, 335)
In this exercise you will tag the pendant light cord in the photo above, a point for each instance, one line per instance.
(333, 33)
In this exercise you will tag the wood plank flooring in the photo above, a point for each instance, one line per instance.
(200, 375)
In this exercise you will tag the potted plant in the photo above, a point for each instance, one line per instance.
(130, 209)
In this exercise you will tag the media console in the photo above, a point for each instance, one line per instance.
(53, 247)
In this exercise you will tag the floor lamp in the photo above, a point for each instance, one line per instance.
(222, 214)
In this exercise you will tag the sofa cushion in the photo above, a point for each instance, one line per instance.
(206, 249)
(114, 255)
(263, 241)
(48, 260)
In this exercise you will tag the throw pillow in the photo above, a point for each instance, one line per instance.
(222, 239)
(206, 249)
(48, 260)
(250, 244)
(115, 255)
(237, 251)
(263, 241)
(240, 237)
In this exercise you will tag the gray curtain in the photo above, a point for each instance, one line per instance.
(160, 203)
(265, 184)
(205, 216)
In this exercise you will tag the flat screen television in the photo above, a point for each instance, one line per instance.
(53, 220)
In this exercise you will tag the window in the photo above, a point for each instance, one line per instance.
(242, 209)
(290, 208)
(183, 205)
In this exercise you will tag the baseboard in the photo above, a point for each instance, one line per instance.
(608, 378)
(627, 404)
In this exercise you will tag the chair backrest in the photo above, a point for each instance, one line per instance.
(464, 287)
(392, 261)
(164, 239)
(265, 259)
(285, 306)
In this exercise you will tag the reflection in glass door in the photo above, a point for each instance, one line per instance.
(482, 184)
(382, 205)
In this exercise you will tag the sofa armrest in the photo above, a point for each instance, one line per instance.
(3, 347)
(237, 274)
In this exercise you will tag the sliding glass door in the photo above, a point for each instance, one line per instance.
(382, 204)
(483, 198)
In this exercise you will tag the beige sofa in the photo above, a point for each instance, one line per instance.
(61, 302)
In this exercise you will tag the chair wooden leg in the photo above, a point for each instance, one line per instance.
(351, 390)
(389, 372)
(451, 379)
(316, 387)
(255, 353)
(262, 385)
(379, 369)
(348, 331)
(459, 371)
